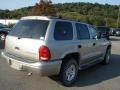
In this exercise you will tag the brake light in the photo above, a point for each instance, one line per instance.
(44, 53)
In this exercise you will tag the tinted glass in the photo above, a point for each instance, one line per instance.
(30, 29)
(63, 31)
(82, 31)
(2, 26)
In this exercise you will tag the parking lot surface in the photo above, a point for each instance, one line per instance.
(98, 77)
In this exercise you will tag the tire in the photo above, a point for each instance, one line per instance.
(69, 72)
(107, 57)
(2, 36)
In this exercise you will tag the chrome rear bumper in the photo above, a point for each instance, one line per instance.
(43, 68)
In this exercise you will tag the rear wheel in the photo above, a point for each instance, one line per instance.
(69, 72)
(107, 57)
(2, 36)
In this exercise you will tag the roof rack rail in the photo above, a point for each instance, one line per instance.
(63, 18)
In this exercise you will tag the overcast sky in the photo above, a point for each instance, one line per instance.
(15, 4)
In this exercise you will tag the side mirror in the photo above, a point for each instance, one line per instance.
(96, 37)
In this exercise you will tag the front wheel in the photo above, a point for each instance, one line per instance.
(69, 71)
(107, 57)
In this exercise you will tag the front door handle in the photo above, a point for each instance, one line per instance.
(94, 44)
(79, 46)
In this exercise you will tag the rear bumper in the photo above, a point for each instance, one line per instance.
(43, 68)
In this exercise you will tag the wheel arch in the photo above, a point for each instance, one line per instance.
(109, 47)
(74, 55)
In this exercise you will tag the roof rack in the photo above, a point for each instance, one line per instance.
(58, 17)
(63, 18)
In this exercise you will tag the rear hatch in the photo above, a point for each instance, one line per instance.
(25, 39)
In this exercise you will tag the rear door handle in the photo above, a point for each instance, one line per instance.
(94, 44)
(79, 46)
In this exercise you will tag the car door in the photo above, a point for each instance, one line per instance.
(98, 46)
(85, 43)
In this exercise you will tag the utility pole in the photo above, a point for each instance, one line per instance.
(106, 17)
(106, 22)
(118, 17)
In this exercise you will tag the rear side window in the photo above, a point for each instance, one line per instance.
(82, 31)
(30, 29)
(63, 31)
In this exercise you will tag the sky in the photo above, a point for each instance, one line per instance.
(16, 4)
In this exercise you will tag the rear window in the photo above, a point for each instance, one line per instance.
(35, 29)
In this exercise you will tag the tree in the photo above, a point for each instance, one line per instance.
(44, 7)
(96, 14)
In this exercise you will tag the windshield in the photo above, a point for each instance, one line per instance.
(30, 29)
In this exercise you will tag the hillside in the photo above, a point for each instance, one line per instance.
(86, 12)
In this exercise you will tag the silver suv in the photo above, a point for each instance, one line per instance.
(53, 46)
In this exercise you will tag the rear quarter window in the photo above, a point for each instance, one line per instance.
(63, 31)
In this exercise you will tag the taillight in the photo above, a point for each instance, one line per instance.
(44, 53)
